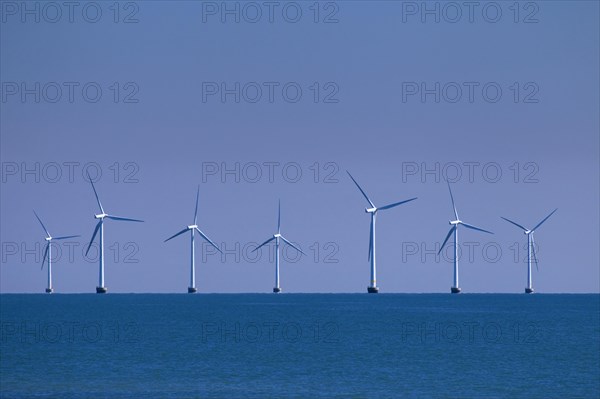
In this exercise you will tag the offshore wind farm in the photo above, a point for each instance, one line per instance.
(279, 239)
(393, 199)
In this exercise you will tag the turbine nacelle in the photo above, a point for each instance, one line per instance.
(527, 232)
(370, 210)
(192, 227)
(455, 222)
(48, 239)
(100, 216)
(276, 235)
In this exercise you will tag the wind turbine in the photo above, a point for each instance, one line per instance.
(277, 236)
(454, 229)
(48, 252)
(530, 247)
(372, 288)
(101, 289)
(192, 229)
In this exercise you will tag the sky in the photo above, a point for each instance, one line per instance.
(258, 102)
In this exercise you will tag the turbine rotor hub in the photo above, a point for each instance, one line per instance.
(370, 210)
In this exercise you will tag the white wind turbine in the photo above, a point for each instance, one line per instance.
(277, 236)
(372, 288)
(454, 229)
(101, 289)
(192, 229)
(48, 252)
(530, 248)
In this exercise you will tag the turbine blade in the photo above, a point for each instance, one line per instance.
(292, 245)
(546, 218)
(470, 226)
(175, 235)
(45, 254)
(515, 223)
(196, 211)
(93, 236)
(447, 237)
(95, 193)
(64, 237)
(371, 240)
(396, 204)
(534, 255)
(40, 220)
(279, 218)
(263, 244)
(123, 219)
(452, 198)
(208, 239)
(361, 190)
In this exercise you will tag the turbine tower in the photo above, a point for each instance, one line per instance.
(192, 229)
(277, 236)
(101, 289)
(48, 252)
(372, 288)
(530, 248)
(454, 229)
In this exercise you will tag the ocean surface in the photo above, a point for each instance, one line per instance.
(299, 346)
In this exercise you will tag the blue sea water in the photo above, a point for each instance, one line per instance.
(299, 346)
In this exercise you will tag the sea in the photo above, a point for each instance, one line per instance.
(300, 346)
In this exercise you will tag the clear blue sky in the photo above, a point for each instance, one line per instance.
(368, 61)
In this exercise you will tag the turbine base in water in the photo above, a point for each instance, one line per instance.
(49, 290)
(529, 290)
(455, 290)
(277, 290)
(372, 290)
(101, 290)
(192, 290)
